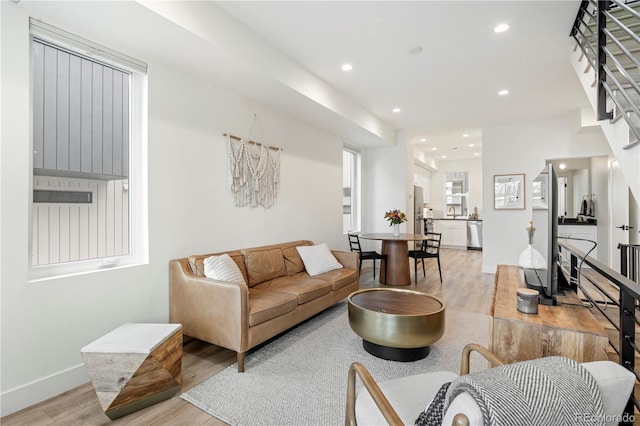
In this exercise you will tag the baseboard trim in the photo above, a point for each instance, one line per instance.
(29, 394)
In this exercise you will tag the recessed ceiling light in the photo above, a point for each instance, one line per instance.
(503, 92)
(396, 110)
(476, 153)
(500, 28)
(415, 50)
(423, 139)
(562, 166)
(444, 156)
(347, 67)
(434, 149)
(471, 145)
(466, 135)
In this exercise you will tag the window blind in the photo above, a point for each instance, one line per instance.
(46, 32)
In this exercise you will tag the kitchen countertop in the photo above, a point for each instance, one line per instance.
(457, 219)
(566, 221)
(574, 221)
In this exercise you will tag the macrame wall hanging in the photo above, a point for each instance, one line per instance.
(254, 170)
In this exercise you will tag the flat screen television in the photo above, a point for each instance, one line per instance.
(546, 278)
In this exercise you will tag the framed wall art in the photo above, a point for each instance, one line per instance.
(508, 192)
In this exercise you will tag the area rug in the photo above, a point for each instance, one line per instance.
(301, 377)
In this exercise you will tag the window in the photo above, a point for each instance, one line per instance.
(89, 171)
(350, 190)
(455, 193)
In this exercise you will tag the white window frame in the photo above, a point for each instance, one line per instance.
(356, 197)
(138, 171)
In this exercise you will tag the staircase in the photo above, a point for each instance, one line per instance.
(605, 58)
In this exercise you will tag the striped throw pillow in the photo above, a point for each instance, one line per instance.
(318, 259)
(222, 268)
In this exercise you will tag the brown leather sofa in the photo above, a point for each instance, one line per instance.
(278, 294)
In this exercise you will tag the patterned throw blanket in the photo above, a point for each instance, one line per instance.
(545, 391)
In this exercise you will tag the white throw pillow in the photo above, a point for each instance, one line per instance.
(222, 268)
(318, 259)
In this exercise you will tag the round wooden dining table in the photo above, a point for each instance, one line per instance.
(397, 250)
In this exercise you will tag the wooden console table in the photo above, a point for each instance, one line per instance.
(566, 330)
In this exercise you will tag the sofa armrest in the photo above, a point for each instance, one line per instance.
(380, 399)
(210, 310)
(486, 354)
(348, 259)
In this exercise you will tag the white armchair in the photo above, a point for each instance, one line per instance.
(400, 401)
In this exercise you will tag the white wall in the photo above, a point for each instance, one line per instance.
(45, 324)
(388, 173)
(600, 187)
(524, 148)
(581, 188)
(422, 177)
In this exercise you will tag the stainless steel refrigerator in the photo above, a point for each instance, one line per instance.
(418, 209)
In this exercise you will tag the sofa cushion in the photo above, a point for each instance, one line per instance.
(318, 259)
(338, 277)
(615, 384)
(222, 268)
(266, 304)
(292, 260)
(305, 289)
(196, 262)
(408, 394)
(263, 265)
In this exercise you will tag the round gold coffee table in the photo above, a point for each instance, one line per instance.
(395, 324)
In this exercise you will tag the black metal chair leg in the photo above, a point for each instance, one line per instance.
(415, 271)
(424, 272)
(439, 269)
(354, 245)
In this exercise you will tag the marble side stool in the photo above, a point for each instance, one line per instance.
(134, 366)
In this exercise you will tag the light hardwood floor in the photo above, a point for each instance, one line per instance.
(464, 287)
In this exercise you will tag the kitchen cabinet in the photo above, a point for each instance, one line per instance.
(454, 232)
(584, 232)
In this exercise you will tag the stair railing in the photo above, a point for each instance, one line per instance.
(630, 261)
(619, 310)
(592, 32)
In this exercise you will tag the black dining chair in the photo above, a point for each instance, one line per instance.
(428, 249)
(354, 245)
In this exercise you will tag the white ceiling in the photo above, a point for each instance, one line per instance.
(288, 55)
(451, 87)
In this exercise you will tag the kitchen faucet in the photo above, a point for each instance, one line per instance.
(454, 211)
